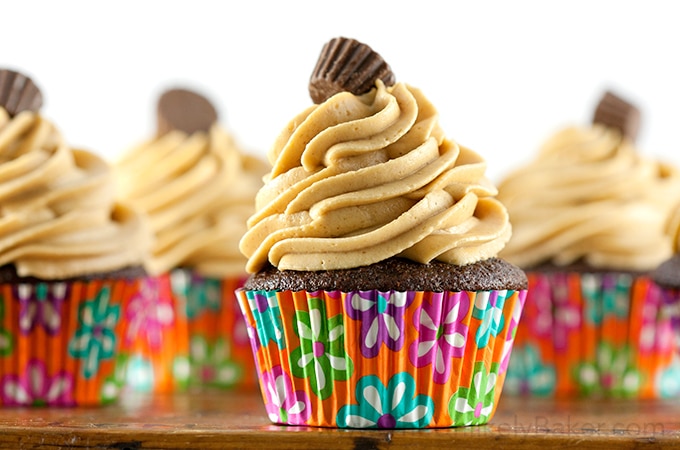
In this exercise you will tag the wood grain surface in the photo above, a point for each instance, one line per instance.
(237, 420)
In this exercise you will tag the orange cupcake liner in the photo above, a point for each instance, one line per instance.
(594, 335)
(60, 342)
(371, 359)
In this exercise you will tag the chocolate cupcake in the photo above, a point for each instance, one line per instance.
(197, 189)
(588, 215)
(376, 299)
(70, 261)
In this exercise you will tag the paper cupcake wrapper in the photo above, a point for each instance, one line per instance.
(371, 359)
(671, 300)
(60, 342)
(220, 355)
(596, 335)
(155, 339)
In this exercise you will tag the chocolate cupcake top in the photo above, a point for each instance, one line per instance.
(362, 177)
(195, 185)
(590, 197)
(58, 217)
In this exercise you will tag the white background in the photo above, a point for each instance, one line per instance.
(503, 74)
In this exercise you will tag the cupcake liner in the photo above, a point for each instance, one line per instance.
(671, 302)
(155, 339)
(220, 355)
(60, 342)
(595, 335)
(372, 359)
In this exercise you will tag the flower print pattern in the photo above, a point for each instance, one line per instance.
(321, 356)
(512, 330)
(267, 315)
(40, 304)
(212, 364)
(205, 294)
(6, 340)
(668, 380)
(282, 403)
(34, 387)
(139, 374)
(391, 406)
(566, 312)
(150, 313)
(95, 339)
(441, 333)
(538, 308)
(474, 405)
(527, 374)
(612, 374)
(382, 318)
(489, 309)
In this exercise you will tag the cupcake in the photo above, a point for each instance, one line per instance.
(376, 299)
(667, 276)
(197, 189)
(588, 215)
(70, 261)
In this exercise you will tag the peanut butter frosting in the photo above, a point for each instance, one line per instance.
(590, 196)
(198, 191)
(361, 178)
(58, 218)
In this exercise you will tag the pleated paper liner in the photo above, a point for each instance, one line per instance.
(60, 342)
(371, 359)
(155, 339)
(189, 334)
(594, 335)
(220, 356)
(671, 302)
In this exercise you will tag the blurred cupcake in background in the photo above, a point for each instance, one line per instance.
(667, 276)
(588, 215)
(71, 260)
(197, 189)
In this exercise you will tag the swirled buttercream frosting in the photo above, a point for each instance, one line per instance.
(58, 217)
(589, 196)
(197, 191)
(358, 179)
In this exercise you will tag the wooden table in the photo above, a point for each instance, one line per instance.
(237, 420)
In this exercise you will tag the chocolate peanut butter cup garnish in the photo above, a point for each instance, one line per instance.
(184, 110)
(347, 65)
(615, 112)
(18, 93)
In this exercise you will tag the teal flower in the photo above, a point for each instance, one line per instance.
(140, 374)
(267, 314)
(474, 405)
(321, 356)
(212, 364)
(6, 341)
(489, 309)
(205, 294)
(611, 374)
(528, 375)
(95, 339)
(391, 406)
(668, 380)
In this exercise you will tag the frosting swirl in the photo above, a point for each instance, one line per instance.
(359, 179)
(58, 218)
(588, 195)
(198, 191)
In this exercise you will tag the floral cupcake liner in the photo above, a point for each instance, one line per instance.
(372, 359)
(60, 342)
(219, 347)
(671, 301)
(185, 331)
(595, 335)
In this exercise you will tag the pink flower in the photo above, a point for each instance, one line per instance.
(35, 388)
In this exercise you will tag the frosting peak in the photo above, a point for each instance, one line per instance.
(58, 218)
(589, 195)
(359, 179)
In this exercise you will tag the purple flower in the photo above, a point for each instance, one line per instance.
(35, 388)
(442, 333)
(382, 318)
(149, 312)
(283, 405)
(40, 304)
